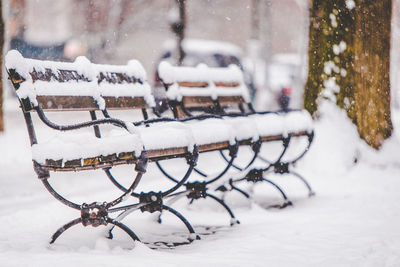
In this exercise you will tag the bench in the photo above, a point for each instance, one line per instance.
(45, 87)
(195, 91)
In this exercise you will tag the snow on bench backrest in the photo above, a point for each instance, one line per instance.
(51, 84)
(78, 85)
(194, 85)
(124, 86)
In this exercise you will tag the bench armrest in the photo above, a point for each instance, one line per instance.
(55, 126)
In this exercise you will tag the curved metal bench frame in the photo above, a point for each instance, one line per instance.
(97, 213)
(251, 174)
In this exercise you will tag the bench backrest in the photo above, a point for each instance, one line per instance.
(78, 85)
(204, 86)
(124, 86)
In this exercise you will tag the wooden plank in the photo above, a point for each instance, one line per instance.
(270, 138)
(197, 101)
(207, 101)
(125, 102)
(90, 163)
(61, 75)
(76, 167)
(280, 137)
(67, 103)
(180, 114)
(231, 100)
(298, 134)
(226, 84)
(213, 146)
(245, 142)
(205, 84)
(193, 84)
(116, 78)
(159, 153)
(87, 103)
(111, 160)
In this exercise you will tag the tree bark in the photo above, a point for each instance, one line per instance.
(349, 60)
(372, 68)
(330, 56)
(180, 29)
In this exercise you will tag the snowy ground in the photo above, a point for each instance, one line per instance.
(352, 221)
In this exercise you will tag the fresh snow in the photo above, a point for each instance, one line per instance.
(73, 145)
(352, 221)
(30, 89)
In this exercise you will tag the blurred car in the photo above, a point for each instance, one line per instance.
(63, 51)
(209, 52)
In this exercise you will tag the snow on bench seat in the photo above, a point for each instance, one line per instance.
(211, 134)
(244, 128)
(163, 139)
(284, 124)
(73, 149)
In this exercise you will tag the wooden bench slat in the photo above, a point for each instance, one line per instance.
(111, 160)
(193, 84)
(166, 153)
(87, 103)
(61, 75)
(125, 102)
(67, 103)
(226, 84)
(207, 101)
(213, 147)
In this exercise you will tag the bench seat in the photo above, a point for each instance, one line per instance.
(244, 128)
(166, 139)
(66, 151)
(285, 123)
(87, 151)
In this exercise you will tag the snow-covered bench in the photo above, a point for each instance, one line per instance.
(71, 89)
(223, 92)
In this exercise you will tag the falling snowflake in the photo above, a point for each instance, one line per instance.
(350, 4)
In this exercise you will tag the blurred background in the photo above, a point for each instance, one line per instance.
(268, 39)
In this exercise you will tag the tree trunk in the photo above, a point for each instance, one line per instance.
(330, 56)
(1, 68)
(372, 68)
(179, 29)
(348, 53)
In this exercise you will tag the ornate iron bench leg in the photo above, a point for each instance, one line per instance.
(238, 189)
(255, 176)
(64, 228)
(196, 190)
(232, 187)
(286, 202)
(172, 199)
(310, 191)
(119, 218)
(153, 201)
(220, 201)
(193, 234)
(96, 214)
(122, 227)
(255, 146)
